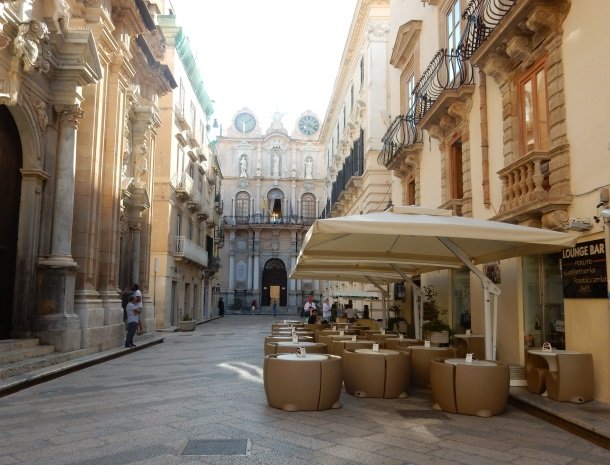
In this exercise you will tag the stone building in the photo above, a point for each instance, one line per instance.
(273, 189)
(497, 113)
(184, 254)
(79, 90)
(354, 124)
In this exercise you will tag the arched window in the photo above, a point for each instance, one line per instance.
(275, 204)
(308, 208)
(242, 207)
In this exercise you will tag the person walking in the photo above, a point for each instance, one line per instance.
(221, 307)
(326, 313)
(274, 306)
(133, 318)
(135, 289)
(253, 307)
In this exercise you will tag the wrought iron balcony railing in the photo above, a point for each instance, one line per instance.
(183, 184)
(481, 16)
(402, 133)
(446, 71)
(265, 218)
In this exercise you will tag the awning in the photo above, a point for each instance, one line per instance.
(355, 295)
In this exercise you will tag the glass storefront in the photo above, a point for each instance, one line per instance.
(543, 301)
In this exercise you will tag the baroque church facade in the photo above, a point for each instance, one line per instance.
(273, 189)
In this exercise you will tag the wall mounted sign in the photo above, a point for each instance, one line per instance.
(583, 270)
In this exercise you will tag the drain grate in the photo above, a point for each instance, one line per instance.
(423, 414)
(217, 447)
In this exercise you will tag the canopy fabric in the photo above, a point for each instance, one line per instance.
(418, 240)
(411, 234)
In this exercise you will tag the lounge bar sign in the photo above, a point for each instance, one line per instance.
(583, 270)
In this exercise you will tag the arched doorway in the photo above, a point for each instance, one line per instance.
(274, 283)
(10, 194)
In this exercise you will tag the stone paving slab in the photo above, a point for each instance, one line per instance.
(145, 406)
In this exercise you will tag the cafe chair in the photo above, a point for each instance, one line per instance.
(481, 390)
(420, 364)
(294, 385)
(367, 323)
(573, 380)
(442, 383)
(376, 375)
(536, 369)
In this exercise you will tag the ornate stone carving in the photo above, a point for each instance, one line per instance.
(556, 219)
(41, 111)
(70, 114)
(10, 85)
(498, 66)
(29, 46)
(519, 48)
(378, 29)
(141, 164)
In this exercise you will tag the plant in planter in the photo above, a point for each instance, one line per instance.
(395, 322)
(434, 328)
(187, 323)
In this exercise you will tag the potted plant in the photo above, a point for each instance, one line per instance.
(434, 328)
(187, 323)
(396, 322)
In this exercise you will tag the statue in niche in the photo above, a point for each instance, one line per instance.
(276, 164)
(243, 167)
(309, 168)
(141, 168)
(126, 158)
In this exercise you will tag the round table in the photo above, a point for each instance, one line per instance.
(302, 358)
(463, 361)
(376, 352)
(420, 362)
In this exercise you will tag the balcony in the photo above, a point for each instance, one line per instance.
(531, 187)
(214, 264)
(181, 122)
(500, 34)
(401, 142)
(185, 249)
(191, 139)
(442, 94)
(194, 203)
(218, 206)
(183, 185)
(266, 219)
(219, 237)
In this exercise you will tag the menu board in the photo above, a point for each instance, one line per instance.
(583, 271)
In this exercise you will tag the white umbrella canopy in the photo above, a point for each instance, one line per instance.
(412, 234)
(415, 237)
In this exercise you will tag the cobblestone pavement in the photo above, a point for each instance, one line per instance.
(154, 405)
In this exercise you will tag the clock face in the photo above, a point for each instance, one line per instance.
(308, 125)
(245, 122)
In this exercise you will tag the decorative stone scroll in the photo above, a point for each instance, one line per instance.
(29, 46)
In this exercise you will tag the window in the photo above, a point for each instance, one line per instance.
(308, 208)
(190, 230)
(455, 166)
(181, 97)
(410, 92)
(410, 192)
(453, 26)
(533, 109)
(453, 33)
(193, 117)
(361, 72)
(275, 200)
(179, 224)
(242, 207)
(351, 95)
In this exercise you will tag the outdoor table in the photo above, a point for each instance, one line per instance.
(383, 373)
(470, 344)
(420, 362)
(284, 347)
(478, 387)
(270, 348)
(567, 377)
(309, 382)
(338, 346)
(376, 352)
(397, 343)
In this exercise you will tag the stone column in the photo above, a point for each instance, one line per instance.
(231, 262)
(56, 321)
(249, 280)
(257, 253)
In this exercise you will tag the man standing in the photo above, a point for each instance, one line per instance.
(133, 318)
(274, 309)
(326, 314)
(221, 307)
(138, 303)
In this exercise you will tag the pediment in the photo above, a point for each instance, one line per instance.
(407, 41)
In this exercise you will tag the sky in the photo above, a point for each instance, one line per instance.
(267, 55)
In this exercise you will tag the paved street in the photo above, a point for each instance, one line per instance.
(145, 407)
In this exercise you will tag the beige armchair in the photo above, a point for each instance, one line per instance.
(481, 390)
(376, 375)
(573, 380)
(294, 385)
(536, 369)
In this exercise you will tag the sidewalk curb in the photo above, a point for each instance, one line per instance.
(32, 378)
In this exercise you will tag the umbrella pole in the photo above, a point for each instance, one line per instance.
(489, 289)
(418, 301)
(384, 295)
